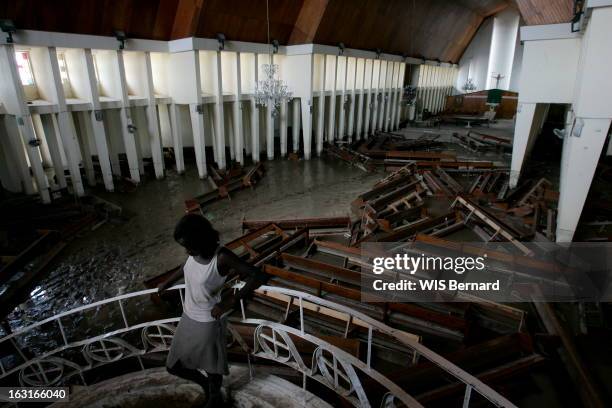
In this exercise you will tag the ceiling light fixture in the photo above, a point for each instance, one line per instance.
(8, 27)
(271, 92)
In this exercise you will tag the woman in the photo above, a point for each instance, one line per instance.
(200, 341)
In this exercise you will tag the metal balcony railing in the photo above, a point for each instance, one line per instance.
(330, 365)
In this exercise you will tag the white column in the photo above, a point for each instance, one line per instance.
(10, 177)
(51, 136)
(369, 103)
(390, 98)
(219, 121)
(238, 128)
(283, 127)
(295, 124)
(393, 92)
(84, 136)
(351, 118)
(307, 127)
(321, 115)
(66, 126)
(269, 133)
(383, 97)
(246, 126)
(375, 100)
(229, 129)
(139, 133)
(399, 94)
(129, 139)
(111, 124)
(14, 148)
(153, 122)
(255, 121)
(26, 129)
(529, 120)
(177, 137)
(197, 128)
(581, 151)
(585, 136)
(23, 119)
(254, 131)
(342, 113)
(96, 118)
(332, 104)
(359, 131)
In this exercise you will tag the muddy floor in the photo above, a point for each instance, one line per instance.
(119, 256)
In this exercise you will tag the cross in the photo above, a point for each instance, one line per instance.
(497, 78)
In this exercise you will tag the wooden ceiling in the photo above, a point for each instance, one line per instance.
(537, 12)
(433, 29)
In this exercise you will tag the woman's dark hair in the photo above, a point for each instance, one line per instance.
(197, 235)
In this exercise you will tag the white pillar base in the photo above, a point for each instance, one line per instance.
(581, 151)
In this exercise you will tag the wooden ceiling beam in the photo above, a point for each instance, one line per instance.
(186, 18)
(307, 23)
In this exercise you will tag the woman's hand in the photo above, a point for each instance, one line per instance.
(162, 287)
(217, 311)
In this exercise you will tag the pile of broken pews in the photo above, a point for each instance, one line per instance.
(223, 183)
(391, 151)
(323, 257)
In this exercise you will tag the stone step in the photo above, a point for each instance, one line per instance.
(155, 387)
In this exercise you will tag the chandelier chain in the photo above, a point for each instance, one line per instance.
(271, 92)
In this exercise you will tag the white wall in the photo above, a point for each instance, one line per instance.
(474, 62)
(503, 41)
(559, 60)
(159, 68)
(135, 72)
(180, 83)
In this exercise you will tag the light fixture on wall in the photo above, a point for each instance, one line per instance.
(340, 48)
(9, 28)
(221, 40)
(120, 36)
(271, 92)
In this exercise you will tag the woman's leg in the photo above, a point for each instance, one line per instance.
(190, 375)
(215, 396)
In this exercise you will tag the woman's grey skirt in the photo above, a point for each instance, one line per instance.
(198, 345)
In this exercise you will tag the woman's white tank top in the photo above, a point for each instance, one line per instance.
(202, 288)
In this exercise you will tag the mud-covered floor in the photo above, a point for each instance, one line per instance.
(119, 256)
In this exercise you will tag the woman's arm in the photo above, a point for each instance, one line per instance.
(231, 265)
(176, 275)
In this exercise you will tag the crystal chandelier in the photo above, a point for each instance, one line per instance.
(271, 92)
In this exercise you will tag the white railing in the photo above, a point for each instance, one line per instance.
(330, 365)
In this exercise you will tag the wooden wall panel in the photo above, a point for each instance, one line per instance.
(475, 103)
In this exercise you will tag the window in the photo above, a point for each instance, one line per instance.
(24, 67)
(63, 68)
